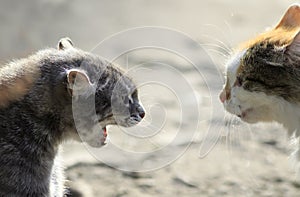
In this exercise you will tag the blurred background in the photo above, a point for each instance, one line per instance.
(183, 147)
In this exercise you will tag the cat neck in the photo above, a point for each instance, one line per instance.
(288, 114)
(41, 131)
(29, 147)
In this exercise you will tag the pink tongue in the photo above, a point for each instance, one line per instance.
(104, 132)
(104, 136)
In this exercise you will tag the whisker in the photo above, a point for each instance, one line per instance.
(230, 133)
(226, 50)
(151, 126)
(219, 30)
(228, 125)
(237, 137)
(146, 102)
(219, 52)
(230, 30)
(221, 43)
(148, 96)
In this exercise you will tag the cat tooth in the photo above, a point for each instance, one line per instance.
(104, 140)
(104, 132)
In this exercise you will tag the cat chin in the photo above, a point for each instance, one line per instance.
(252, 119)
(250, 116)
(249, 120)
(96, 143)
(95, 137)
(252, 107)
(266, 108)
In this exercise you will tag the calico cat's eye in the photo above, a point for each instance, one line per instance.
(238, 82)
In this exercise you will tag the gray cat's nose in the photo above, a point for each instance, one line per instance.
(138, 112)
(141, 112)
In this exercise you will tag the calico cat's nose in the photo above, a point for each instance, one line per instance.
(222, 96)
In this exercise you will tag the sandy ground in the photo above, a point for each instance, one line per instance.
(169, 154)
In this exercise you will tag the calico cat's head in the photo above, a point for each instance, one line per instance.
(264, 75)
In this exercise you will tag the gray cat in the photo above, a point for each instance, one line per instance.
(36, 113)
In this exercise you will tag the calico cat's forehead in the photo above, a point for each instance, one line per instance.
(233, 65)
(234, 62)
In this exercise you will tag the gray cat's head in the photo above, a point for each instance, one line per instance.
(263, 77)
(92, 92)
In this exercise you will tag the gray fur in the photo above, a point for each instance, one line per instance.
(35, 122)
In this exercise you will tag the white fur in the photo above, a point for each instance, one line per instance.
(232, 66)
(255, 107)
(264, 108)
(57, 177)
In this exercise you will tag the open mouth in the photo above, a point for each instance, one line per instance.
(104, 136)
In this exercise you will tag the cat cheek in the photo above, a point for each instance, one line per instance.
(233, 107)
(239, 93)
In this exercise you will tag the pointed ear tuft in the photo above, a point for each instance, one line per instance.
(291, 18)
(78, 82)
(65, 43)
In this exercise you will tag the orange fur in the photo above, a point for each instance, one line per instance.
(284, 33)
(16, 87)
(280, 36)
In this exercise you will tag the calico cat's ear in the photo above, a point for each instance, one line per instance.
(64, 43)
(78, 82)
(291, 18)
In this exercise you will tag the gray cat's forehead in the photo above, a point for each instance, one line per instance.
(125, 85)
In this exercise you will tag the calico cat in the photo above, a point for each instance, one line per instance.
(263, 77)
(37, 96)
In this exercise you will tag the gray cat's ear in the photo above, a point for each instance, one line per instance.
(294, 46)
(64, 43)
(78, 82)
(291, 18)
